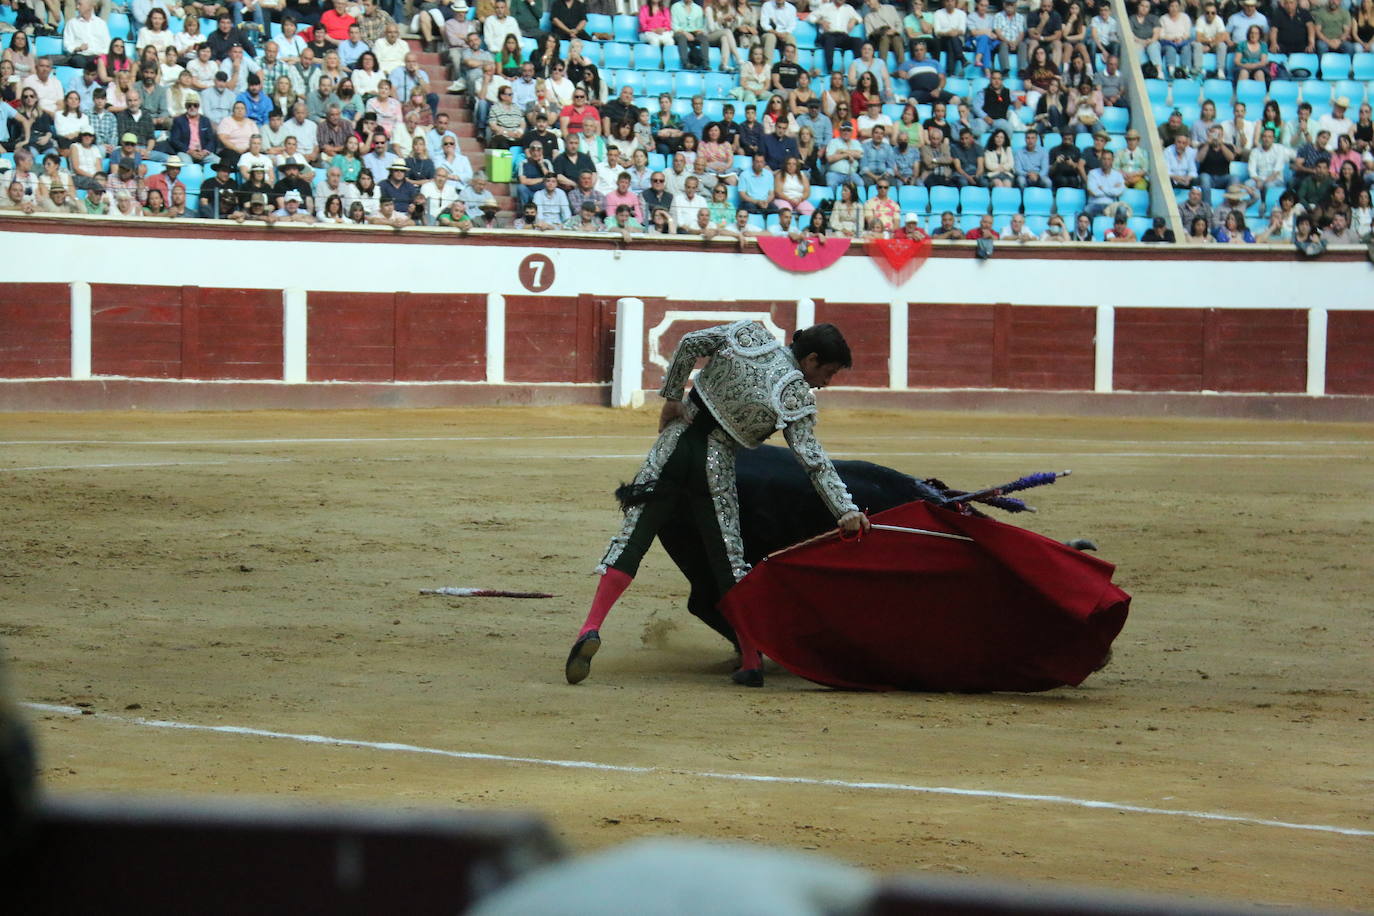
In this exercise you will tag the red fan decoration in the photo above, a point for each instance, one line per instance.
(899, 258)
(932, 600)
(804, 256)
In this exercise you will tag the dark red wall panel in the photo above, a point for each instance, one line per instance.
(1256, 350)
(1159, 349)
(441, 338)
(1050, 347)
(136, 330)
(1350, 353)
(351, 337)
(951, 346)
(232, 334)
(559, 339)
(35, 330)
(865, 329)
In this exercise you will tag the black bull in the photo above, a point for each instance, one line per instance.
(778, 508)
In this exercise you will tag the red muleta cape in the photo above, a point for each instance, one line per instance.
(1008, 610)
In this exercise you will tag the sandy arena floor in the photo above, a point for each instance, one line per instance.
(262, 570)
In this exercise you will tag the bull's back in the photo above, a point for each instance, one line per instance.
(779, 507)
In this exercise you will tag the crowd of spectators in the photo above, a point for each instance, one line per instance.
(1271, 168)
(309, 111)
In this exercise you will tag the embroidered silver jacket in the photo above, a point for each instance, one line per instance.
(753, 387)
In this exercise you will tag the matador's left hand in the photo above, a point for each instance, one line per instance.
(854, 522)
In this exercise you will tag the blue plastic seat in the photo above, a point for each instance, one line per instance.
(772, 222)
(682, 107)
(47, 46)
(718, 85)
(689, 84)
(656, 82)
(1352, 90)
(647, 57)
(632, 78)
(1183, 90)
(805, 34)
(1137, 200)
(1252, 93)
(1038, 224)
(1069, 201)
(1192, 112)
(616, 55)
(1335, 66)
(1218, 91)
(1285, 92)
(942, 199)
(672, 59)
(658, 162)
(1240, 172)
(1006, 200)
(1116, 142)
(626, 29)
(1100, 226)
(818, 195)
(599, 23)
(957, 85)
(1157, 91)
(1362, 67)
(1038, 201)
(913, 198)
(1139, 225)
(1116, 120)
(1302, 66)
(743, 163)
(969, 221)
(974, 200)
(119, 24)
(1316, 93)
(714, 108)
(1083, 140)
(66, 76)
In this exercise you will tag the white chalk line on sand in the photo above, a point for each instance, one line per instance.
(929, 437)
(698, 774)
(634, 456)
(144, 464)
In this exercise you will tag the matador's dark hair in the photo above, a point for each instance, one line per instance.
(824, 340)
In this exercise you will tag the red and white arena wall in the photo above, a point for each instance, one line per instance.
(95, 314)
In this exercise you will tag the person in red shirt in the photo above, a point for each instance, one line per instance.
(571, 117)
(911, 229)
(984, 230)
(335, 22)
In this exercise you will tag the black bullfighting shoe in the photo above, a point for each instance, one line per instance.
(580, 658)
(748, 677)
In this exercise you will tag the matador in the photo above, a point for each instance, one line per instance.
(751, 387)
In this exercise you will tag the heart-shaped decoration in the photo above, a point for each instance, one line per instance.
(899, 258)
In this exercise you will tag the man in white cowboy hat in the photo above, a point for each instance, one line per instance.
(59, 201)
(1337, 122)
(167, 180)
(1237, 199)
(290, 211)
(397, 188)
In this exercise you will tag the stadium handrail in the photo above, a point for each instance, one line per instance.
(1162, 201)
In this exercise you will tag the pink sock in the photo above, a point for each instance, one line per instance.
(608, 591)
(748, 655)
